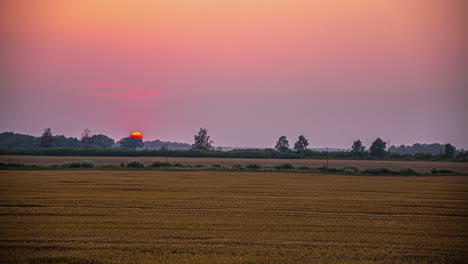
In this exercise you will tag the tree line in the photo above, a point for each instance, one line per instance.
(102, 145)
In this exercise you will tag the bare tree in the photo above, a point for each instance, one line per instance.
(85, 137)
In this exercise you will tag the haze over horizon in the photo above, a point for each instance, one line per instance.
(249, 71)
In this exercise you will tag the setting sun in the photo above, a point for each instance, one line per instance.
(136, 135)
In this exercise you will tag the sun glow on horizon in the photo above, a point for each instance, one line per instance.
(136, 135)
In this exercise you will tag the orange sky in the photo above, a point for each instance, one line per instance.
(256, 53)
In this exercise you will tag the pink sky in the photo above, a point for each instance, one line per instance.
(249, 71)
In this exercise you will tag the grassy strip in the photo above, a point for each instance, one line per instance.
(136, 165)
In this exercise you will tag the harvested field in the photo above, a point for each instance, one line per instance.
(230, 217)
(420, 166)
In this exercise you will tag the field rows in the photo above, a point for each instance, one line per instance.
(226, 217)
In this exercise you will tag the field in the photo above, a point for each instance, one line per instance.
(87, 216)
(420, 166)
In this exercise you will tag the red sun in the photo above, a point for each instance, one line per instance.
(136, 135)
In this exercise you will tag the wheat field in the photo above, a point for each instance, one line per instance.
(90, 216)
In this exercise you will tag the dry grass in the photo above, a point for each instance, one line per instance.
(420, 166)
(227, 217)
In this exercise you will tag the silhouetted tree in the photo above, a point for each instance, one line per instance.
(357, 148)
(282, 145)
(450, 151)
(132, 143)
(202, 140)
(12, 140)
(47, 138)
(85, 137)
(64, 142)
(102, 141)
(377, 149)
(301, 144)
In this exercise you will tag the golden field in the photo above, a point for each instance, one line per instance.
(87, 216)
(420, 166)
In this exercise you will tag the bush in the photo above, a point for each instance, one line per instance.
(160, 164)
(329, 169)
(352, 168)
(135, 164)
(446, 171)
(122, 164)
(15, 164)
(332, 169)
(321, 168)
(87, 164)
(349, 171)
(252, 166)
(303, 167)
(12, 164)
(377, 171)
(109, 166)
(408, 171)
(442, 171)
(284, 166)
(177, 165)
(237, 166)
(199, 166)
(74, 164)
(217, 166)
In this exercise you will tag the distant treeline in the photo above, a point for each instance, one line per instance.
(101, 145)
(416, 148)
(14, 140)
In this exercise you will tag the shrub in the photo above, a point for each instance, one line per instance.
(284, 166)
(74, 164)
(54, 166)
(217, 166)
(122, 164)
(377, 170)
(253, 166)
(321, 168)
(329, 169)
(349, 171)
(135, 164)
(109, 166)
(332, 169)
(237, 166)
(177, 165)
(12, 164)
(352, 168)
(199, 166)
(407, 171)
(87, 164)
(303, 167)
(160, 164)
(442, 171)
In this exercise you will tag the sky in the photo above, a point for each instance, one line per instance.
(249, 71)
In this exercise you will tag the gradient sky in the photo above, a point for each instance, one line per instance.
(248, 70)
